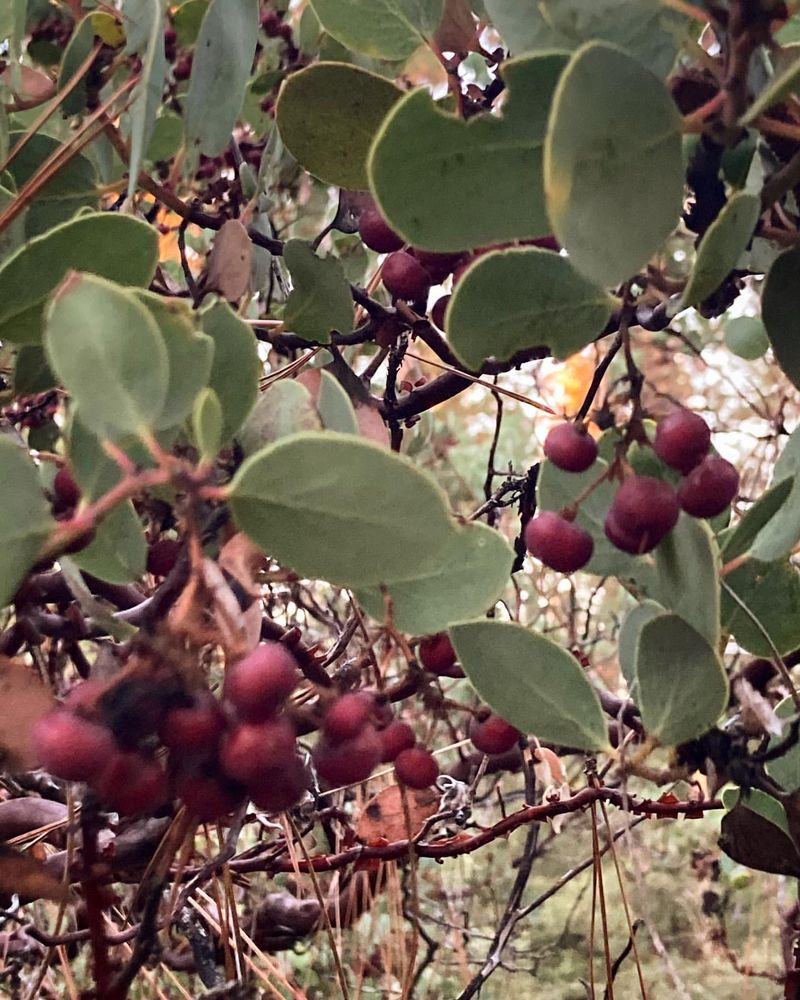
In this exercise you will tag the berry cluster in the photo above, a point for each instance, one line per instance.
(645, 508)
(218, 753)
(358, 733)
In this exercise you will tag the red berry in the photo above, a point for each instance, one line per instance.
(66, 491)
(70, 747)
(347, 716)
(396, 737)
(252, 748)
(438, 265)
(194, 728)
(709, 487)
(404, 277)
(557, 542)
(280, 788)
(84, 697)
(570, 447)
(259, 684)
(131, 783)
(207, 796)
(162, 556)
(682, 439)
(493, 734)
(376, 232)
(439, 310)
(416, 767)
(643, 511)
(351, 761)
(437, 655)
(182, 69)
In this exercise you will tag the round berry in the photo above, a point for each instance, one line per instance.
(83, 698)
(131, 783)
(404, 277)
(709, 487)
(643, 511)
(376, 233)
(347, 716)
(70, 747)
(682, 439)
(66, 491)
(194, 728)
(570, 447)
(207, 796)
(162, 556)
(436, 654)
(438, 265)
(416, 767)
(557, 542)
(182, 69)
(280, 788)
(259, 684)
(351, 761)
(252, 748)
(396, 737)
(439, 310)
(493, 735)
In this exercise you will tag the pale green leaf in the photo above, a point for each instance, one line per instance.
(771, 595)
(629, 638)
(613, 163)
(721, 246)
(207, 424)
(468, 183)
(681, 684)
(328, 114)
(782, 531)
(532, 682)
(338, 508)
(510, 300)
(118, 247)
(118, 552)
(320, 301)
(383, 29)
(282, 409)
(780, 307)
(236, 367)
(147, 93)
(474, 570)
(107, 350)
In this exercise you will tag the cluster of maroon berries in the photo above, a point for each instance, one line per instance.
(358, 733)
(645, 508)
(219, 753)
(407, 273)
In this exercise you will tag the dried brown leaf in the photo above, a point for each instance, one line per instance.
(24, 699)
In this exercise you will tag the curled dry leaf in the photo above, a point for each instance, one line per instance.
(26, 877)
(383, 817)
(24, 699)
(242, 559)
(229, 262)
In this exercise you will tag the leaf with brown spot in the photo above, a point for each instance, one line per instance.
(24, 700)
(383, 816)
(22, 875)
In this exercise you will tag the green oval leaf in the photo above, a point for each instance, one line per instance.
(207, 424)
(781, 532)
(147, 93)
(724, 242)
(629, 638)
(783, 83)
(744, 535)
(26, 519)
(648, 29)
(118, 247)
(383, 29)
(328, 114)
(771, 593)
(613, 140)
(682, 686)
(532, 683)
(190, 354)
(474, 570)
(282, 409)
(223, 57)
(73, 186)
(445, 197)
(780, 306)
(236, 368)
(524, 297)
(320, 300)
(746, 337)
(118, 552)
(755, 833)
(341, 509)
(78, 48)
(106, 349)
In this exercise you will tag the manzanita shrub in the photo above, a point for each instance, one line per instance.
(250, 251)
